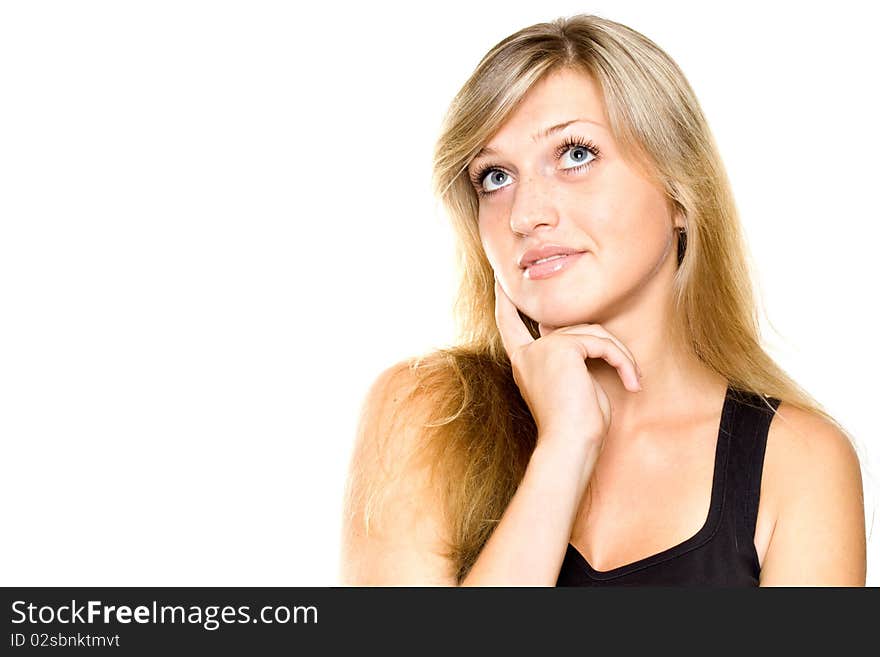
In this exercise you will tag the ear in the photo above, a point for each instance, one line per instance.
(678, 220)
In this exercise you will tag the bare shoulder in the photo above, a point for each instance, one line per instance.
(806, 450)
(813, 478)
(393, 532)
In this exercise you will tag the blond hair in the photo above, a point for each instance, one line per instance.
(481, 434)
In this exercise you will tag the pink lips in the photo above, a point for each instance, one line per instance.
(552, 266)
(544, 251)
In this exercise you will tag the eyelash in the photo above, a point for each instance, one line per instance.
(568, 144)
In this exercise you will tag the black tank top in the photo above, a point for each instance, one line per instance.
(722, 553)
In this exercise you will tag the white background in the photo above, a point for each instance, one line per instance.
(217, 228)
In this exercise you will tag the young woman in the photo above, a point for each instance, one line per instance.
(609, 416)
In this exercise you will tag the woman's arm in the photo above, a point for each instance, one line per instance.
(528, 545)
(403, 542)
(819, 534)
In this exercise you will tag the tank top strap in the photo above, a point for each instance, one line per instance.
(748, 443)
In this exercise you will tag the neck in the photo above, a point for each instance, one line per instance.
(672, 372)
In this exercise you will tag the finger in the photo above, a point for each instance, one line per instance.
(593, 346)
(598, 330)
(514, 332)
(543, 329)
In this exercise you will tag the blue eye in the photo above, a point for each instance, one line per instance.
(580, 148)
(494, 176)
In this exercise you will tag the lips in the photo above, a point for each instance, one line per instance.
(543, 252)
(552, 266)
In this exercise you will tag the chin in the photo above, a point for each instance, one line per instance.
(562, 305)
(565, 315)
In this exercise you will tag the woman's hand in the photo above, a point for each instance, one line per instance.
(552, 374)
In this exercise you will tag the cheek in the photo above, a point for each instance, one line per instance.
(485, 235)
(637, 233)
(491, 239)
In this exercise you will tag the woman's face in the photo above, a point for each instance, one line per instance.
(555, 190)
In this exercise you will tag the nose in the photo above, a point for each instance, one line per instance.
(532, 206)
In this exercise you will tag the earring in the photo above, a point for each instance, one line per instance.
(682, 242)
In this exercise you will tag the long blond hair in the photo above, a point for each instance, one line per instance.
(481, 435)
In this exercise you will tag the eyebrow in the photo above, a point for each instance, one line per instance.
(487, 150)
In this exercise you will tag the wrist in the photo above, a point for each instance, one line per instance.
(565, 458)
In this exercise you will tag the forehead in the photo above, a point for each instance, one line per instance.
(561, 96)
